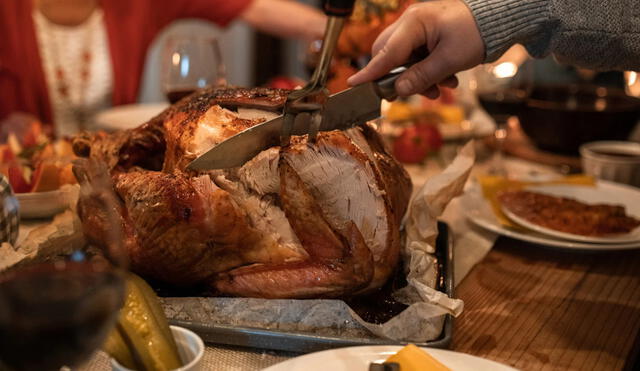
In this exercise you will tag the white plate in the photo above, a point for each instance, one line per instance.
(480, 213)
(128, 116)
(359, 358)
(587, 195)
(45, 204)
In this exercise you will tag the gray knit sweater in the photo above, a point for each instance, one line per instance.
(597, 34)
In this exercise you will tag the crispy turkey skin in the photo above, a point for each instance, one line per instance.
(308, 220)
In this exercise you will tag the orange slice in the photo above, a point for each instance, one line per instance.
(46, 177)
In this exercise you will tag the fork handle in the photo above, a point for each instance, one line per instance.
(338, 8)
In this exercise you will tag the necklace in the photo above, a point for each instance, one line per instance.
(63, 84)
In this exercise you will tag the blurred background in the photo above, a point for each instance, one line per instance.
(537, 110)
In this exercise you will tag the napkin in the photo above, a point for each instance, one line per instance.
(492, 185)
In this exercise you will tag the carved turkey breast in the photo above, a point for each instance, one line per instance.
(310, 220)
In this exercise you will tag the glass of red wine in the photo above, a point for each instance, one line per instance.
(502, 89)
(190, 63)
(57, 312)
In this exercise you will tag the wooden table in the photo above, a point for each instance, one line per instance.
(536, 308)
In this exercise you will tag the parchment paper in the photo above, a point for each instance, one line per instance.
(43, 239)
(421, 321)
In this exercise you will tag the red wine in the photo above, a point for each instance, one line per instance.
(176, 95)
(56, 314)
(502, 105)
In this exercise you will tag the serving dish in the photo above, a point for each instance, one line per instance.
(190, 348)
(321, 337)
(617, 161)
(561, 118)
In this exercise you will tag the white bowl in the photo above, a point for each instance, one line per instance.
(127, 116)
(47, 204)
(601, 160)
(190, 347)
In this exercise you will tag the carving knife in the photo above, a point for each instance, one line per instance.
(342, 111)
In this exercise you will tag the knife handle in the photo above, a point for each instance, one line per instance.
(338, 8)
(387, 83)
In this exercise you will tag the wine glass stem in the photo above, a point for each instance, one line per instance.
(500, 135)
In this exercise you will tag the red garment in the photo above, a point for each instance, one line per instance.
(131, 27)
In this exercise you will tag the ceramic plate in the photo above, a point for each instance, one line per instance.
(359, 358)
(480, 213)
(127, 116)
(601, 194)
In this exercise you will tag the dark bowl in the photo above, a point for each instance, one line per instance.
(561, 118)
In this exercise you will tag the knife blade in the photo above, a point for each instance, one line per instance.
(342, 111)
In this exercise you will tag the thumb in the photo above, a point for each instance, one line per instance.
(424, 74)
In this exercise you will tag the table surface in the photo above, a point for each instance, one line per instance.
(536, 308)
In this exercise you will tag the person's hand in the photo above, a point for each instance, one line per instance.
(446, 28)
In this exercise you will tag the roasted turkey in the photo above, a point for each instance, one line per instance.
(309, 220)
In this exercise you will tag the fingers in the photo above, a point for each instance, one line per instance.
(450, 82)
(447, 28)
(423, 75)
(432, 92)
(396, 50)
(384, 36)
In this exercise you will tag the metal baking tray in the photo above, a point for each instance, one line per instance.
(305, 342)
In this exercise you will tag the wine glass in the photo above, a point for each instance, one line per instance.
(58, 312)
(190, 63)
(502, 88)
(632, 83)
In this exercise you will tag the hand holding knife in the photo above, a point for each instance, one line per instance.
(310, 109)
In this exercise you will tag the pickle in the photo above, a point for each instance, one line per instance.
(142, 337)
(116, 347)
(154, 306)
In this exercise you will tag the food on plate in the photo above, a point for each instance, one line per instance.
(450, 113)
(568, 215)
(412, 358)
(416, 142)
(144, 326)
(445, 114)
(444, 110)
(400, 111)
(308, 220)
(35, 163)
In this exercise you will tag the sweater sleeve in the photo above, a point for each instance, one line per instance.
(598, 34)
